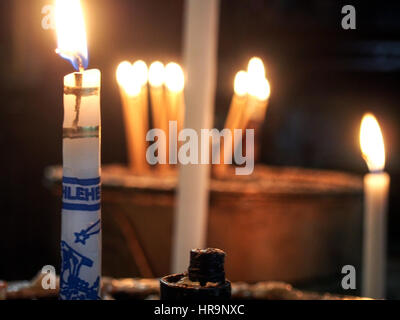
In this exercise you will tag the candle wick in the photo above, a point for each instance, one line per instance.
(80, 64)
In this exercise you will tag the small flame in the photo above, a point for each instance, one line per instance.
(258, 85)
(156, 74)
(141, 72)
(260, 89)
(241, 83)
(71, 33)
(372, 144)
(123, 72)
(129, 81)
(264, 90)
(256, 69)
(174, 77)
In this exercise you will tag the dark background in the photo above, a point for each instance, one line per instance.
(323, 79)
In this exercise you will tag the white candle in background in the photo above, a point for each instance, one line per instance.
(259, 101)
(131, 82)
(158, 105)
(376, 189)
(157, 95)
(233, 120)
(259, 91)
(238, 103)
(174, 83)
(141, 72)
(200, 60)
(81, 216)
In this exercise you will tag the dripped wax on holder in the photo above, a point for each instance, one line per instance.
(204, 280)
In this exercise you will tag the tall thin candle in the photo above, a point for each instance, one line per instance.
(159, 107)
(81, 216)
(376, 188)
(132, 80)
(200, 56)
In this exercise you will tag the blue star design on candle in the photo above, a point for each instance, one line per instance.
(85, 234)
(72, 286)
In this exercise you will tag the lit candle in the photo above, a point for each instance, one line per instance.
(235, 115)
(239, 100)
(376, 188)
(158, 104)
(174, 82)
(141, 72)
(132, 80)
(81, 216)
(259, 91)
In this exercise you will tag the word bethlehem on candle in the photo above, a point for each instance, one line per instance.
(195, 150)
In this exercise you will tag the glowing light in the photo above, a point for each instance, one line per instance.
(260, 89)
(241, 83)
(71, 33)
(372, 144)
(123, 72)
(258, 85)
(140, 71)
(256, 69)
(128, 79)
(156, 74)
(174, 78)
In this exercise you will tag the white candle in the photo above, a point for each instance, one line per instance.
(239, 100)
(376, 189)
(81, 215)
(259, 91)
(132, 80)
(157, 96)
(159, 106)
(174, 83)
(234, 118)
(200, 57)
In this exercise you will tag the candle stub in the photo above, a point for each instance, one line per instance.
(207, 265)
(204, 280)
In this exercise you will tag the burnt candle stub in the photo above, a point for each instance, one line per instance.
(205, 279)
(207, 265)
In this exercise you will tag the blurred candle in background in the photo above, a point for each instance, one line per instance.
(175, 83)
(81, 215)
(376, 189)
(131, 81)
(239, 100)
(259, 91)
(141, 72)
(158, 104)
(157, 96)
(233, 120)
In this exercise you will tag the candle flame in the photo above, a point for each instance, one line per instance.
(140, 72)
(256, 69)
(128, 79)
(258, 85)
(156, 74)
(174, 77)
(71, 33)
(372, 144)
(241, 83)
(260, 89)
